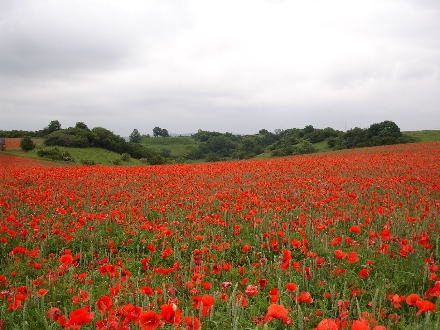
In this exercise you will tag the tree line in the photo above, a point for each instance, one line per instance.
(80, 136)
(215, 146)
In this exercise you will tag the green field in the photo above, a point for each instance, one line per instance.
(426, 135)
(173, 147)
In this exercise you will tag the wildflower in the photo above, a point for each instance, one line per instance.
(275, 311)
(104, 304)
(171, 314)
(291, 287)
(305, 297)
(425, 306)
(340, 254)
(204, 302)
(251, 290)
(352, 257)
(192, 323)
(149, 320)
(79, 317)
(327, 324)
(412, 299)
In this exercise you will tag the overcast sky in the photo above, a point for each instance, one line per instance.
(228, 66)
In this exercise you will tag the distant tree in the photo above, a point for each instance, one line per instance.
(157, 131)
(53, 126)
(308, 129)
(386, 128)
(165, 133)
(389, 128)
(27, 144)
(135, 136)
(81, 125)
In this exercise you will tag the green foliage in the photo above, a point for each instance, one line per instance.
(81, 125)
(17, 133)
(53, 126)
(165, 152)
(135, 136)
(55, 154)
(88, 162)
(117, 161)
(157, 131)
(71, 137)
(26, 144)
(384, 133)
(125, 157)
(108, 140)
(212, 157)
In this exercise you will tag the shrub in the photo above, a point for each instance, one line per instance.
(125, 157)
(55, 154)
(117, 161)
(27, 144)
(89, 162)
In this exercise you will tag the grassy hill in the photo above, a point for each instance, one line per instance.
(425, 135)
(91, 155)
(173, 147)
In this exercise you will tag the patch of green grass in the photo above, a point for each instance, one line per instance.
(178, 146)
(426, 135)
(322, 146)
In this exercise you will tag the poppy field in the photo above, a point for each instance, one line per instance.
(341, 240)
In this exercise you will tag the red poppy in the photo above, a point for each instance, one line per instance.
(204, 302)
(149, 320)
(352, 257)
(412, 299)
(79, 317)
(42, 292)
(104, 304)
(340, 254)
(364, 272)
(192, 323)
(425, 306)
(355, 229)
(171, 314)
(360, 325)
(291, 287)
(305, 297)
(327, 324)
(251, 290)
(275, 311)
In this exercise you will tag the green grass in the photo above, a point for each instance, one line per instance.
(426, 135)
(177, 146)
(322, 146)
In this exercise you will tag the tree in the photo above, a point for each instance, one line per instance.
(389, 128)
(135, 136)
(81, 125)
(26, 143)
(157, 131)
(54, 126)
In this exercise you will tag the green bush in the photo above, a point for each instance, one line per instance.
(125, 157)
(55, 154)
(117, 161)
(26, 144)
(88, 162)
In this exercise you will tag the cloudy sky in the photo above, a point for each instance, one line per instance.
(229, 66)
